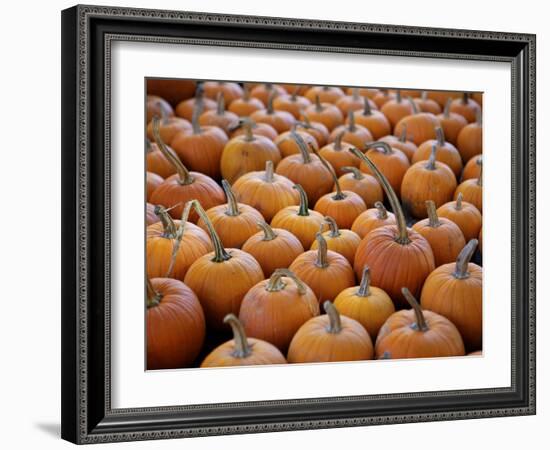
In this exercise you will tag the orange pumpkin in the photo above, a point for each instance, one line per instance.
(274, 309)
(326, 272)
(420, 126)
(175, 324)
(338, 155)
(172, 90)
(280, 120)
(371, 219)
(451, 123)
(470, 139)
(157, 163)
(208, 277)
(326, 94)
(178, 189)
(259, 129)
(219, 117)
(472, 191)
(446, 152)
(464, 214)
(396, 255)
(230, 91)
(397, 108)
(373, 120)
(153, 181)
(265, 191)
(330, 338)
(353, 102)
(455, 292)
(273, 248)
(364, 185)
(301, 221)
(150, 216)
(391, 162)
(168, 128)
(157, 106)
(356, 135)
(427, 180)
(444, 236)
(340, 241)
(187, 108)
(466, 107)
(247, 153)
(414, 333)
(242, 351)
(472, 169)
(364, 91)
(425, 104)
(264, 91)
(287, 145)
(382, 97)
(367, 304)
(316, 129)
(245, 105)
(401, 143)
(292, 103)
(442, 97)
(326, 113)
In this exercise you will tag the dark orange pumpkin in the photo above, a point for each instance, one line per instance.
(172, 90)
(168, 128)
(364, 185)
(219, 117)
(292, 103)
(373, 120)
(397, 108)
(464, 214)
(391, 162)
(420, 126)
(446, 152)
(153, 181)
(326, 113)
(472, 191)
(372, 218)
(230, 91)
(472, 169)
(326, 94)
(245, 105)
(451, 123)
(470, 139)
(339, 240)
(280, 120)
(466, 107)
(356, 135)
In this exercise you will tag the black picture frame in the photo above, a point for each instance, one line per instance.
(87, 416)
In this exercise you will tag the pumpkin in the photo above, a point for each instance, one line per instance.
(316, 129)
(470, 139)
(340, 241)
(356, 135)
(444, 236)
(446, 152)
(396, 109)
(427, 180)
(222, 278)
(391, 162)
(156, 162)
(343, 206)
(472, 191)
(472, 169)
(287, 145)
(172, 246)
(372, 119)
(372, 218)
(219, 117)
(364, 92)
(186, 108)
(425, 104)
(168, 128)
(330, 338)
(230, 91)
(245, 105)
(157, 106)
(326, 94)
(464, 214)
(454, 290)
(153, 181)
(242, 351)
(478, 97)
(265, 191)
(266, 90)
(326, 113)
(442, 97)
(401, 143)
(307, 170)
(414, 333)
(292, 103)
(172, 90)
(301, 221)
(247, 153)
(479, 238)
(364, 185)
(150, 216)
(382, 97)
(202, 147)
(367, 304)
(338, 155)
(353, 102)
(175, 324)
(178, 189)
(420, 126)
(326, 272)
(273, 248)
(234, 222)
(397, 256)
(259, 129)
(299, 89)
(451, 123)
(280, 120)
(466, 107)
(274, 309)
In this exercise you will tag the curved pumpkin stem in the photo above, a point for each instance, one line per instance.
(403, 235)
(380, 145)
(153, 297)
(382, 212)
(364, 287)
(269, 233)
(275, 283)
(440, 136)
(303, 210)
(220, 104)
(433, 219)
(242, 348)
(185, 177)
(339, 194)
(168, 224)
(367, 111)
(333, 227)
(302, 146)
(335, 323)
(322, 250)
(351, 126)
(430, 165)
(268, 171)
(464, 257)
(232, 205)
(220, 254)
(421, 324)
(357, 174)
(458, 205)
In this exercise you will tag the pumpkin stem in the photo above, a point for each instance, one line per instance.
(420, 324)
(364, 287)
(302, 146)
(403, 135)
(179, 236)
(322, 260)
(430, 165)
(333, 226)
(351, 126)
(242, 348)
(424, 95)
(269, 234)
(384, 146)
(153, 297)
(463, 259)
(275, 283)
(413, 105)
(433, 219)
(220, 107)
(355, 94)
(268, 171)
(447, 108)
(403, 235)
(440, 135)
(270, 109)
(382, 211)
(480, 178)
(465, 98)
(247, 125)
(338, 140)
(339, 194)
(220, 254)
(197, 110)
(366, 107)
(357, 174)
(185, 177)
(232, 205)
(458, 205)
(318, 106)
(246, 92)
(303, 210)
(335, 324)
(168, 224)
(398, 98)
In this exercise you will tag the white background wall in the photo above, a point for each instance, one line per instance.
(30, 226)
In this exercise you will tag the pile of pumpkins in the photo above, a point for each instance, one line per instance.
(318, 223)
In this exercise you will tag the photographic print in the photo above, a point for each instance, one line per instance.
(299, 224)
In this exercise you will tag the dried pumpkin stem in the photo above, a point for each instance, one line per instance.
(433, 219)
(303, 210)
(403, 235)
(232, 205)
(197, 110)
(364, 287)
(246, 92)
(183, 174)
(447, 108)
(351, 126)
(465, 98)
(479, 116)
(338, 140)
(322, 251)
(421, 323)
(220, 254)
(382, 212)
(269, 171)
(357, 174)
(413, 105)
(463, 259)
(270, 109)
(403, 135)
(398, 98)
(424, 95)
(333, 227)
(480, 177)
(430, 165)
(153, 297)
(179, 236)
(458, 205)
(339, 194)
(249, 136)
(168, 224)
(335, 323)
(242, 348)
(269, 234)
(380, 145)
(318, 105)
(367, 111)
(275, 283)
(440, 136)
(220, 105)
(302, 146)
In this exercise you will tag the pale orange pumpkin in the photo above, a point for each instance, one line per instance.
(364, 185)
(464, 214)
(371, 219)
(382, 97)
(338, 155)
(230, 91)
(259, 129)
(245, 105)
(397, 108)
(446, 152)
(451, 123)
(326, 113)
(326, 94)
(466, 107)
(356, 135)
(470, 139)
(287, 145)
(353, 102)
(401, 143)
(339, 240)
(219, 117)
(373, 120)
(364, 91)
(264, 91)
(425, 104)
(280, 120)
(442, 97)
(316, 129)
(391, 162)
(292, 103)
(420, 126)
(472, 191)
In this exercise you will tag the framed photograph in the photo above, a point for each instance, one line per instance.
(282, 224)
